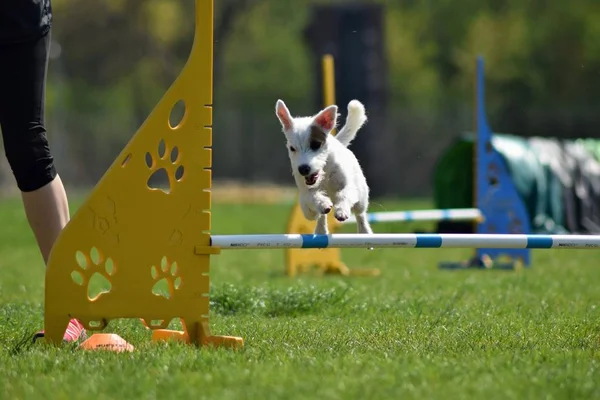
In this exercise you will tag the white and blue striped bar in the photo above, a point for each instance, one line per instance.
(382, 240)
(450, 214)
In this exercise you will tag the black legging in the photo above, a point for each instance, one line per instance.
(23, 68)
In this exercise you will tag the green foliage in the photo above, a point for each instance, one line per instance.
(414, 79)
(267, 60)
(542, 63)
(550, 46)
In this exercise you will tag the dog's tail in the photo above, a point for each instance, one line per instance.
(354, 121)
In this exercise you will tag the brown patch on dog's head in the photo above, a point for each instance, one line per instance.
(317, 137)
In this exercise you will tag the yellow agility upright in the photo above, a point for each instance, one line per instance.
(328, 260)
(134, 235)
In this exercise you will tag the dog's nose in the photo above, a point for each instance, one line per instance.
(304, 169)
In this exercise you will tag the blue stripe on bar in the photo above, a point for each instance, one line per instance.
(445, 215)
(408, 216)
(372, 218)
(539, 242)
(429, 241)
(314, 241)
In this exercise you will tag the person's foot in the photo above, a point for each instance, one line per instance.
(75, 331)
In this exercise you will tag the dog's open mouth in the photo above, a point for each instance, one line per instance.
(311, 179)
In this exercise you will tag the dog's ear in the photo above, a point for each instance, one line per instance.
(284, 115)
(327, 118)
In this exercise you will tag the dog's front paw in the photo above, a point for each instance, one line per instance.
(341, 214)
(325, 207)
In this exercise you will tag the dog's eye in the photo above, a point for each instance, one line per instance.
(292, 149)
(315, 145)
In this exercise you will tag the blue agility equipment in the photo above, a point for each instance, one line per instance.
(495, 194)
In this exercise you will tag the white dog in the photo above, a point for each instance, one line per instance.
(326, 172)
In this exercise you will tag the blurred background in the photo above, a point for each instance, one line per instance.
(411, 62)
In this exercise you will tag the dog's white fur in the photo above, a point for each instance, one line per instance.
(340, 183)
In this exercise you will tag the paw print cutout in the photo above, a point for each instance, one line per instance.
(94, 272)
(166, 277)
(165, 168)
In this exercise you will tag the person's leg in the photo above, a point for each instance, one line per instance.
(47, 211)
(26, 144)
(22, 101)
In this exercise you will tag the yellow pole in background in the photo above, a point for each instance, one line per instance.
(328, 82)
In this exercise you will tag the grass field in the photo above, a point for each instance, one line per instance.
(413, 333)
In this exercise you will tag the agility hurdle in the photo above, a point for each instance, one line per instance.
(405, 240)
(498, 208)
(136, 236)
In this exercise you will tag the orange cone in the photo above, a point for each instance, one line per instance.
(106, 341)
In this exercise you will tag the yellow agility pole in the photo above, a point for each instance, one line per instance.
(136, 236)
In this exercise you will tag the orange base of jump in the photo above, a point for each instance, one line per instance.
(106, 341)
(217, 341)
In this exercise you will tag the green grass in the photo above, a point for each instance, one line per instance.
(414, 332)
